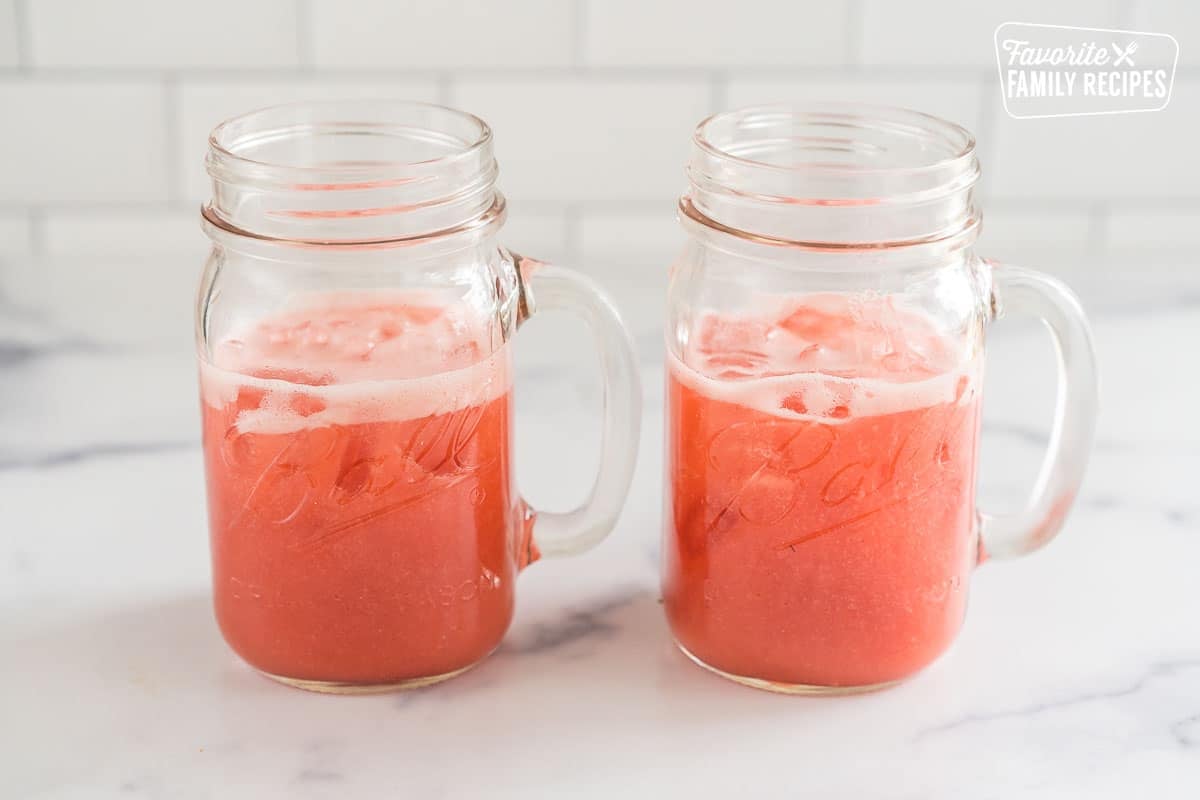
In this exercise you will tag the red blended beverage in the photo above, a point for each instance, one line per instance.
(826, 328)
(353, 327)
(821, 459)
(365, 530)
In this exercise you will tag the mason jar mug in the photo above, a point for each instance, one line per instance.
(825, 345)
(353, 330)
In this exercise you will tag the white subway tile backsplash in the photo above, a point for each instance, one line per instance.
(82, 143)
(1121, 156)
(940, 33)
(173, 236)
(1030, 225)
(630, 254)
(565, 140)
(150, 33)
(10, 49)
(1180, 18)
(617, 239)
(107, 106)
(1160, 228)
(537, 234)
(202, 105)
(451, 34)
(957, 99)
(1055, 240)
(686, 33)
(1064, 242)
(16, 238)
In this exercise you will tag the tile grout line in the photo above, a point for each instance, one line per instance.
(233, 75)
(171, 143)
(985, 137)
(578, 38)
(24, 36)
(1098, 243)
(305, 40)
(37, 231)
(855, 36)
(572, 216)
(444, 88)
(650, 204)
(1125, 14)
(718, 92)
(655, 73)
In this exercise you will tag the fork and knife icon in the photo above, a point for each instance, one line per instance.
(1124, 56)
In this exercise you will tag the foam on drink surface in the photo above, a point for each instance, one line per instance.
(355, 357)
(827, 357)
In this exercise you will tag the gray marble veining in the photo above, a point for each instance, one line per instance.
(1077, 673)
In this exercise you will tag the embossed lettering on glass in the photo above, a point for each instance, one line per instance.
(825, 341)
(353, 329)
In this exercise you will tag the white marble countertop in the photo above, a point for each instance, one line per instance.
(1077, 673)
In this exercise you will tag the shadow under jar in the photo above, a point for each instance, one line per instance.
(825, 343)
(353, 329)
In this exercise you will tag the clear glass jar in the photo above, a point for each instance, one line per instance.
(825, 344)
(353, 329)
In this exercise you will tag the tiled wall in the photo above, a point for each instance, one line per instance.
(105, 106)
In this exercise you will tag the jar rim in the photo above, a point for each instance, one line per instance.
(832, 176)
(838, 113)
(362, 171)
(228, 141)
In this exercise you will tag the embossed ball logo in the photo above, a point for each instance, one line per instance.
(312, 471)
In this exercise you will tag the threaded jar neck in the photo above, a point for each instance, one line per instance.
(354, 172)
(832, 176)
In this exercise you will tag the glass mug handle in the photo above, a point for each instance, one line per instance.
(1016, 290)
(546, 287)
